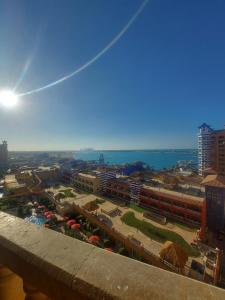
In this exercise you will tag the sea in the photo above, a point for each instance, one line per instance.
(157, 159)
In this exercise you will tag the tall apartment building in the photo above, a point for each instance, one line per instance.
(211, 151)
(218, 151)
(204, 148)
(215, 202)
(3, 153)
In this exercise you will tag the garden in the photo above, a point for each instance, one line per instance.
(158, 234)
(68, 193)
(77, 226)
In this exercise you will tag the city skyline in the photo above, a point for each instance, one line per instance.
(161, 80)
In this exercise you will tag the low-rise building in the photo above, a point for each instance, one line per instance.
(12, 184)
(181, 207)
(25, 176)
(87, 182)
(48, 173)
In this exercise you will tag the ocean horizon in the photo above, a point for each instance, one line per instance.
(157, 158)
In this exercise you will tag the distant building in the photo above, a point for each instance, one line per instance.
(3, 153)
(132, 168)
(211, 151)
(104, 177)
(48, 173)
(12, 185)
(204, 148)
(87, 182)
(101, 160)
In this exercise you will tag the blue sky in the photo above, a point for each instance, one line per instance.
(151, 90)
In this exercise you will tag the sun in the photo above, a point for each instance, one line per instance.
(8, 98)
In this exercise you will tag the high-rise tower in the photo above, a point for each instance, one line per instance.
(204, 148)
(101, 159)
(211, 151)
(3, 153)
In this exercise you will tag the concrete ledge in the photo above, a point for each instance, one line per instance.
(65, 268)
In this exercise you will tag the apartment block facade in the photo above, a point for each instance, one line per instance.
(211, 151)
(87, 182)
(184, 208)
(204, 148)
(215, 202)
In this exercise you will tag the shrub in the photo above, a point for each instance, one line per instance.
(107, 243)
(68, 193)
(20, 213)
(123, 251)
(99, 201)
(96, 231)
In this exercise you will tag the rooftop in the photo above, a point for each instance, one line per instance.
(87, 175)
(11, 182)
(204, 125)
(180, 196)
(46, 168)
(214, 181)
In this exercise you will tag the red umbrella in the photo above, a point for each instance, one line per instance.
(50, 215)
(75, 226)
(94, 238)
(71, 222)
(41, 206)
(109, 249)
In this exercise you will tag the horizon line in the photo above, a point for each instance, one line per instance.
(98, 150)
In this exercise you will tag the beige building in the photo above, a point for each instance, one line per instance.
(13, 185)
(87, 182)
(48, 173)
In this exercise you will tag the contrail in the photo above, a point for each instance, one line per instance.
(95, 58)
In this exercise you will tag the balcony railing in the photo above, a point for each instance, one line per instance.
(39, 263)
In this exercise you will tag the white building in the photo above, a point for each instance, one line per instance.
(204, 148)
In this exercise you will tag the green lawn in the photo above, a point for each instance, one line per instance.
(68, 193)
(137, 208)
(99, 201)
(158, 234)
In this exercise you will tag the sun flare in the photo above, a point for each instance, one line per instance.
(8, 98)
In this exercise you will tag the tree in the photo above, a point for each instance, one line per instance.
(20, 212)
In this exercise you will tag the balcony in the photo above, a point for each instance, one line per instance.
(38, 263)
